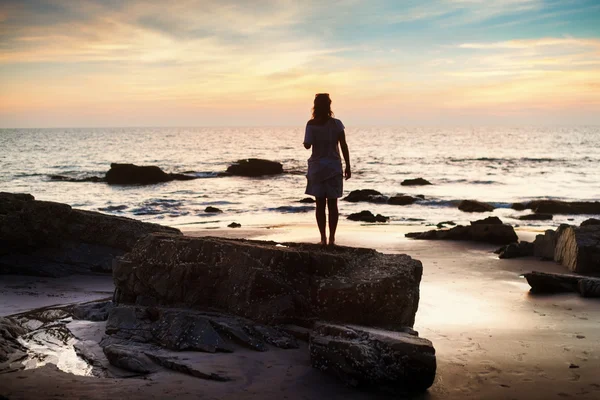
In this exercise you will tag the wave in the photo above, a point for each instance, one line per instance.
(292, 209)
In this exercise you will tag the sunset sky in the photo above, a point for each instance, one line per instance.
(204, 63)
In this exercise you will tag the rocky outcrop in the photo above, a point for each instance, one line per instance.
(270, 283)
(253, 167)
(542, 282)
(367, 216)
(415, 182)
(52, 239)
(564, 207)
(402, 200)
(394, 362)
(475, 206)
(515, 250)
(10, 348)
(94, 311)
(366, 195)
(131, 174)
(129, 359)
(478, 232)
(578, 248)
(591, 221)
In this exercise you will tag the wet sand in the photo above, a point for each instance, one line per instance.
(493, 339)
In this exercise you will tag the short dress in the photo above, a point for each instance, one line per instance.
(325, 174)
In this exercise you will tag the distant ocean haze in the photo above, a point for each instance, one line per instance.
(496, 165)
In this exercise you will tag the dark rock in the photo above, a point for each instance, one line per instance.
(488, 233)
(173, 363)
(211, 209)
(518, 206)
(308, 200)
(591, 221)
(487, 221)
(52, 239)
(536, 217)
(129, 359)
(578, 248)
(515, 250)
(95, 311)
(542, 282)
(442, 224)
(130, 174)
(475, 206)
(296, 331)
(371, 359)
(113, 208)
(367, 216)
(543, 245)
(368, 195)
(564, 207)
(255, 167)
(402, 200)
(10, 348)
(234, 225)
(267, 282)
(61, 178)
(415, 182)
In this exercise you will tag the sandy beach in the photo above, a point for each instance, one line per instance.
(493, 339)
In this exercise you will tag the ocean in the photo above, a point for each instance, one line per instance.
(496, 165)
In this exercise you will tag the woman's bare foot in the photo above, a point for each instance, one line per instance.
(323, 241)
(332, 241)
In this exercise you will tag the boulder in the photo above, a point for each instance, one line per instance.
(270, 282)
(479, 232)
(253, 167)
(536, 217)
(129, 359)
(564, 207)
(213, 210)
(402, 200)
(95, 311)
(394, 362)
(591, 221)
(52, 239)
(234, 225)
(543, 245)
(367, 216)
(487, 221)
(515, 250)
(518, 206)
(368, 195)
(578, 248)
(131, 174)
(415, 182)
(542, 282)
(475, 206)
(10, 348)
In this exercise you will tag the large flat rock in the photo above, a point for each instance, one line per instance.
(271, 283)
(52, 239)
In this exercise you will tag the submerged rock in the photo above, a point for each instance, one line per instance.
(367, 216)
(253, 167)
(402, 200)
(564, 207)
(415, 182)
(518, 206)
(475, 206)
(214, 210)
(44, 238)
(131, 174)
(269, 283)
(234, 225)
(479, 232)
(370, 359)
(367, 195)
(536, 217)
(62, 178)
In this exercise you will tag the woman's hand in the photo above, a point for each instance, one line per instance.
(347, 173)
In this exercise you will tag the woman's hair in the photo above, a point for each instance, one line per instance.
(322, 107)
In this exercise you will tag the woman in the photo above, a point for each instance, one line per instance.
(325, 176)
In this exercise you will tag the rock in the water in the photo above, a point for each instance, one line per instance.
(255, 167)
(131, 174)
(564, 207)
(542, 282)
(514, 250)
(578, 248)
(487, 221)
(478, 232)
(591, 221)
(61, 178)
(367, 216)
(129, 359)
(268, 283)
(95, 311)
(475, 206)
(10, 348)
(371, 359)
(234, 225)
(442, 224)
(415, 182)
(51, 239)
(536, 217)
(518, 206)
(211, 209)
(402, 200)
(368, 195)
(308, 200)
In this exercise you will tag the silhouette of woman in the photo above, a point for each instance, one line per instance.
(325, 175)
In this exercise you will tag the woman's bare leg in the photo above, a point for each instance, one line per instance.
(333, 219)
(321, 221)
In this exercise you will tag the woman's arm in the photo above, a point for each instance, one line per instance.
(308, 139)
(346, 154)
